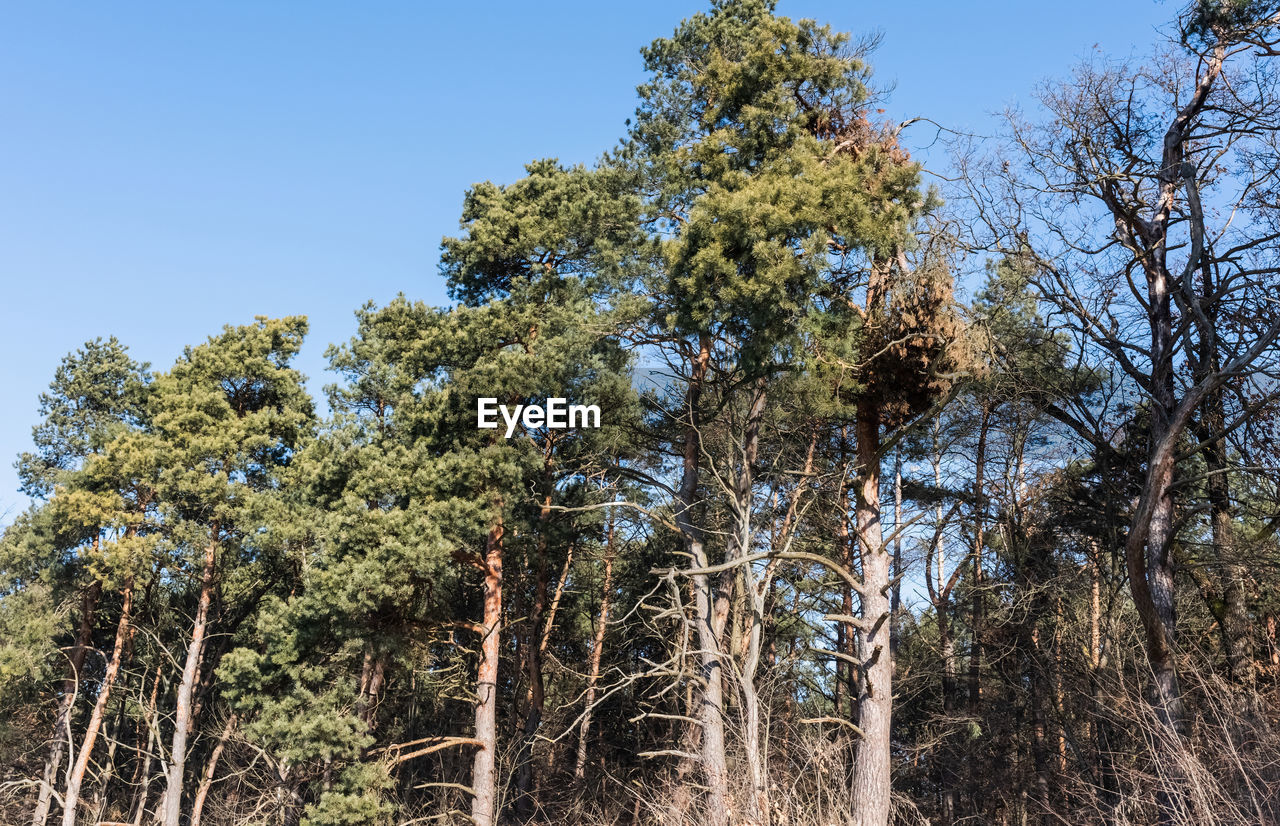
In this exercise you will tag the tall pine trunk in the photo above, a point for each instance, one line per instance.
(186, 689)
(710, 603)
(71, 799)
(976, 612)
(484, 780)
(526, 795)
(143, 777)
(597, 647)
(871, 788)
(757, 809)
(210, 770)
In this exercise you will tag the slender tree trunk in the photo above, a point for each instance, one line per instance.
(372, 673)
(1273, 650)
(1059, 692)
(1099, 725)
(70, 689)
(848, 641)
(753, 596)
(113, 741)
(1234, 624)
(949, 765)
(190, 673)
(210, 769)
(75, 779)
(548, 626)
(1095, 639)
(1040, 728)
(871, 781)
(844, 632)
(526, 800)
(597, 647)
(895, 602)
(484, 805)
(711, 604)
(550, 623)
(976, 611)
(139, 806)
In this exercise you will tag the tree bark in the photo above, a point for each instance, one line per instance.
(597, 647)
(101, 796)
(70, 689)
(484, 805)
(1040, 726)
(550, 623)
(753, 597)
(75, 779)
(1234, 624)
(895, 602)
(711, 603)
(871, 781)
(526, 799)
(190, 673)
(846, 633)
(940, 593)
(210, 768)
(975, 596)
(151, 722)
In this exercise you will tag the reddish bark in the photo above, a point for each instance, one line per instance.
(484, 768)
(75, 779)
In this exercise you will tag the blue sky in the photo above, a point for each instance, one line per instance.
(169, 168)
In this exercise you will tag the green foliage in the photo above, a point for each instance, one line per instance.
(752, 208)
(355, 800)
(767, 176)
(568, 221)
(1209, 22)
(96, 392)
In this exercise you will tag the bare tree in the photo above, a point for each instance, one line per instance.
(1139, 208)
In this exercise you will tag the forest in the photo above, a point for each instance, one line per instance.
(916, 498)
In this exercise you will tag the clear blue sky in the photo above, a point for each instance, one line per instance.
(167, 168)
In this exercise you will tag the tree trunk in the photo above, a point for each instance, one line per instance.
(151, 722)
(550, 623)
(70, 689)
(846, 635)
(210, 768)
(871, 787)
(949, 774)
(1040, 726)
(75, 779)
(484, 805)
(976, 611)
(895, 602)
(526, 800)
(948, 766)
(597, 646)
(753, 596)
(1234, 625)
(711, 605)
(372, 673)
(1156, 605)
(113, 741)
(190, 673)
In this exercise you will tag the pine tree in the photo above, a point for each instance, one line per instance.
(229, 416)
